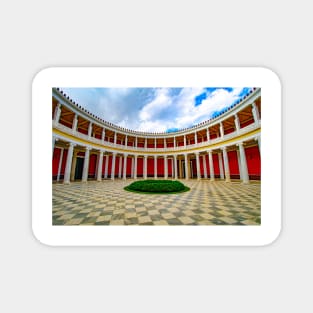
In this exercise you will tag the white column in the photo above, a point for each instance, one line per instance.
(255, 113)
(57, 113)
(60, 164)
(155, 145)
(165, 146)
(86, 166)
(259, 143)
(186, 167)
(174, 142)
(196, 138)
(220, 164)
(68, 166)
(103, 134)
(226, 166)
(208, 134)
(145, 166)
(243, 164)
(135, 164)
(221, 130)
(113, 166)
(106, 166)
(74, 126)
(198, 165)
(100, 163)
(185, 143)
(120, 166)
(212, 177)
(175, 166)
(136, 144)
(125, 165)
(132, 170)
(73, 167)
(89, 129)
(146, 143)
(155, 166)
(165, 167)
(239, 164)
(126, 141)
(237, 123)
(204, 167)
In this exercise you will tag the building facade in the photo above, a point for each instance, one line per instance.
(227, 147)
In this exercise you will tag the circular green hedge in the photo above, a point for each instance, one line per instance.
(157, 186)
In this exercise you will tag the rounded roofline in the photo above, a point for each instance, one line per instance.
(179, 132)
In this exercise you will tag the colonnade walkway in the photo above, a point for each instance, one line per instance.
(107, 203)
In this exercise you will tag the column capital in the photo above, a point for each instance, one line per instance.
(71, 144)
(125, 155)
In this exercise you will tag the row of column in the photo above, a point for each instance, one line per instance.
(254, 109)
(222, 159)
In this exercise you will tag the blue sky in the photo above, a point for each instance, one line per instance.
(156, 109)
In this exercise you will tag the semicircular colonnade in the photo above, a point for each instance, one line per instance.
(227, 147)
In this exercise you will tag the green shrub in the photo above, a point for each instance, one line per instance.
(157, 186)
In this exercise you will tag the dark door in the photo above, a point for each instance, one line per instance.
(79, 168)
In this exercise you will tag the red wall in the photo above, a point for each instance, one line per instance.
(216, 164)
(160, 166)
(65, 123)
(253, 160)
(109, 165)
(242, 125)
(92, 165)
(83, 131)
(228, 131)
(139, 166)
(233, 163)
(55, 161)
(64, 161)
(129, 167)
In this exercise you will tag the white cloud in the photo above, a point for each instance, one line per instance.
(153, 109)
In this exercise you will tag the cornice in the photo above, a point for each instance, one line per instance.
(247, 133)
(65, 100)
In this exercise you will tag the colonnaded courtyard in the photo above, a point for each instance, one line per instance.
(107, 203)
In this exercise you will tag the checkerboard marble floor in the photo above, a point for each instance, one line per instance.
(107, 203)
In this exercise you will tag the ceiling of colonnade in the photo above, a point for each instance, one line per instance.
(156, 109)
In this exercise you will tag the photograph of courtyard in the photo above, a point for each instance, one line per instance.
(213, 157)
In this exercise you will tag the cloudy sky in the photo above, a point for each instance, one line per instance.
(156, 109)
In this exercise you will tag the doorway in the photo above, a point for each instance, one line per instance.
(79, 168)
